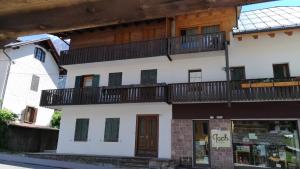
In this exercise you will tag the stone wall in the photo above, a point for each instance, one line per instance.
(182, 140)
(222, 158)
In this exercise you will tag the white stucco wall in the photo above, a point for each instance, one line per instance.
(18, 94)
(127, 114)
(175, 71)
(4, 63)
(259, 55)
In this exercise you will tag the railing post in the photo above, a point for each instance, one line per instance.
(168, 40)
(227, 69)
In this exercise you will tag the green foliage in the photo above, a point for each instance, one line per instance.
(55, 121)
(7, 116)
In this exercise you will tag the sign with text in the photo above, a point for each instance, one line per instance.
(220, 138)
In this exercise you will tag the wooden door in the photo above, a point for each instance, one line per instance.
(147, 135)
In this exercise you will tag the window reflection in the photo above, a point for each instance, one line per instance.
(266, 144)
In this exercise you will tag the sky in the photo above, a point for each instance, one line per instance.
(271, 4)
(62, 46)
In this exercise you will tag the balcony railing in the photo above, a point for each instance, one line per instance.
(104, 95)
(202, 92)
(151, 48)
(240, 91)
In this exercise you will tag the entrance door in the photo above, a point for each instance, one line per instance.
(147, 135)
(201, 143)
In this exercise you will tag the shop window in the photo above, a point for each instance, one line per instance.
(111, 133)
(81, 130)
(201, 143)
(267, 144)
(281, 71)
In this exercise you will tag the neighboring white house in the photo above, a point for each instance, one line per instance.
(122, 104)
(32, 67)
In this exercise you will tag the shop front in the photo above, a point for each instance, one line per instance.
(213, 140)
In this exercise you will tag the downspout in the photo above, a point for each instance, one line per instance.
(227, 69)
(6, 77)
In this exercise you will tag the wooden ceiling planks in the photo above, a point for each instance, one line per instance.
(24, 17)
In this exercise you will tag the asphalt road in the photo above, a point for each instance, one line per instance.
(15, 165)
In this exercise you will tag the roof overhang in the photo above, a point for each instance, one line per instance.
(20, 18)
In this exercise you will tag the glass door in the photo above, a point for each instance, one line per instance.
(201, 143)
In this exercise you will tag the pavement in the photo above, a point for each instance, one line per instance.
(14, 161)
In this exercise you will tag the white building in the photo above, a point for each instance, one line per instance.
(27, 68)
(164, 98)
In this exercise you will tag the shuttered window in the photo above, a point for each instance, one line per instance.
(281, 71)
(30, 114)
(35, 83)
(237, 73)
(111, 133)
(87, 81)
(149, 76)
(115, 79)
(81, 130)
(39, 54)
(210, 29)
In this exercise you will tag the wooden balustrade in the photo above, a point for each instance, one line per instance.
(151, 48)
(202, 92)
(104, 95)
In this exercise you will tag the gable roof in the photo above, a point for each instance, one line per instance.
(44, 42)
(268, 19)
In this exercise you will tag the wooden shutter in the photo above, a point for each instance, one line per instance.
(35, 83)
(96, 79)
(111, 133)
(78, 81)
(149, 76)
(81, 130)
(115, 79)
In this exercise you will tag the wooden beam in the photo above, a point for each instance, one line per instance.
(272, 35)
(289, 33)
(20, 18)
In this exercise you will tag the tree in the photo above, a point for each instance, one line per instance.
(7, 116)
(55, 121)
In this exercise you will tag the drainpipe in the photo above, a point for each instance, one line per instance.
(227, 69)
(6, 77)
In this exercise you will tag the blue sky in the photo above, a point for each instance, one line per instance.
(271, 4)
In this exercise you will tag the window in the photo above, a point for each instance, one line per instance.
(35, 83)
(189, 31)
(111, 133)
(30, 114)
(281, 71)
(87, 81)
(81, 130)
(210, 29)
(195, 76)
(266, 144)
(39, 54)
(237, 73)
(149, 76)
(115, 79)
(201, 143)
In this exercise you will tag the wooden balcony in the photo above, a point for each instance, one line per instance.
(240, 91)
(202, 92)
(104, 95)
(143, 49)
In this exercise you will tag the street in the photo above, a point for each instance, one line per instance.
(16, 165)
